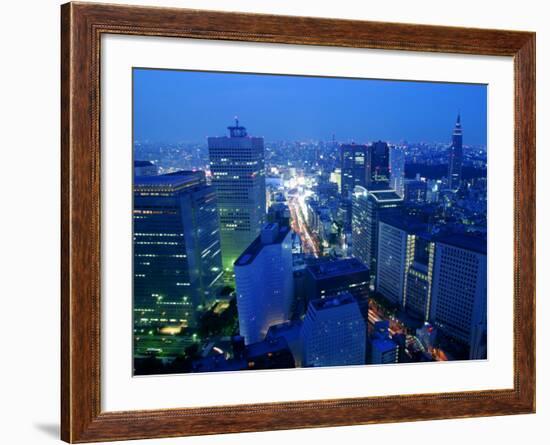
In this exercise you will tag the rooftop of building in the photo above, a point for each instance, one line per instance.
(175, 181)
(339, 300)
(255, 351)
(271, 233)
(331, 269)
(380, 186)
(385, 195)
(410, 224)
(467, 241)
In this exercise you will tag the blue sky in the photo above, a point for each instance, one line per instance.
(174, 106)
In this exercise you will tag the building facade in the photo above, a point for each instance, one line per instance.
(367, 208)
(393, 245)
(334, 332)
(415, 190)
(264, 282)
(353, 158)
(459, 297)
(327, 278)
(237, 164)
(177, 257)
(378, 164)
(405, 264)
(397, 170)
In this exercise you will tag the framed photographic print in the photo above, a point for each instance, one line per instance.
(275, 222)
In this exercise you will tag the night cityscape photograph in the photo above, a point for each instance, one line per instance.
(285, 221)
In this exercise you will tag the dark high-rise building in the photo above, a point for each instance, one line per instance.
(279, 213)
(238, 174)
(326, 278)
(459, 295)
(367, 207)
(334, 332)
(397, 170)
(177, 258)
(416, 190)
(455, 157)
(378, 163)
(353, 159)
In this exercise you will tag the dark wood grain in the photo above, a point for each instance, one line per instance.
(81, 28)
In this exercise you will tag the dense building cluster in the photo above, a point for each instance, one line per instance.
(308, 254)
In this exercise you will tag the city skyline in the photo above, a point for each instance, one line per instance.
(308, 253)
(175, 106)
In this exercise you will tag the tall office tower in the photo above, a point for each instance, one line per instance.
(419, 279)
(326, 278)
(145, 168)
(393, 245)
(455, 157)
(177, 259)
(264, 282)
(459, 295)
(353, 158)
(378, 163)
(405, 264)
(367, 208)
(334, 332)
(415, 190)
(397, 170)
(238, 174)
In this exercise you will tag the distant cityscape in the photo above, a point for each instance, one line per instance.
(252, 254)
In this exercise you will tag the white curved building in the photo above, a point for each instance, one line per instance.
(264, 282)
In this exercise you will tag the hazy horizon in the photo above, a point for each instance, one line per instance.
(173, 106)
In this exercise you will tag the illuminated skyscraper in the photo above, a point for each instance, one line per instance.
(238, 174)
(392, 257)
(334, 332)
(177, 258)
(367, 207)
(397, 170)
(353, 159)
(405, 264)
(264, 282)
(455, 157)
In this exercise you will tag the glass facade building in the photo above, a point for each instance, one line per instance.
(367, 208)
(334, 332)
(177, 257)
(459, 303)
(353, 167)
(237, 164)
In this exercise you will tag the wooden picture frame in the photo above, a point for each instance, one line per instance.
(82, 25)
